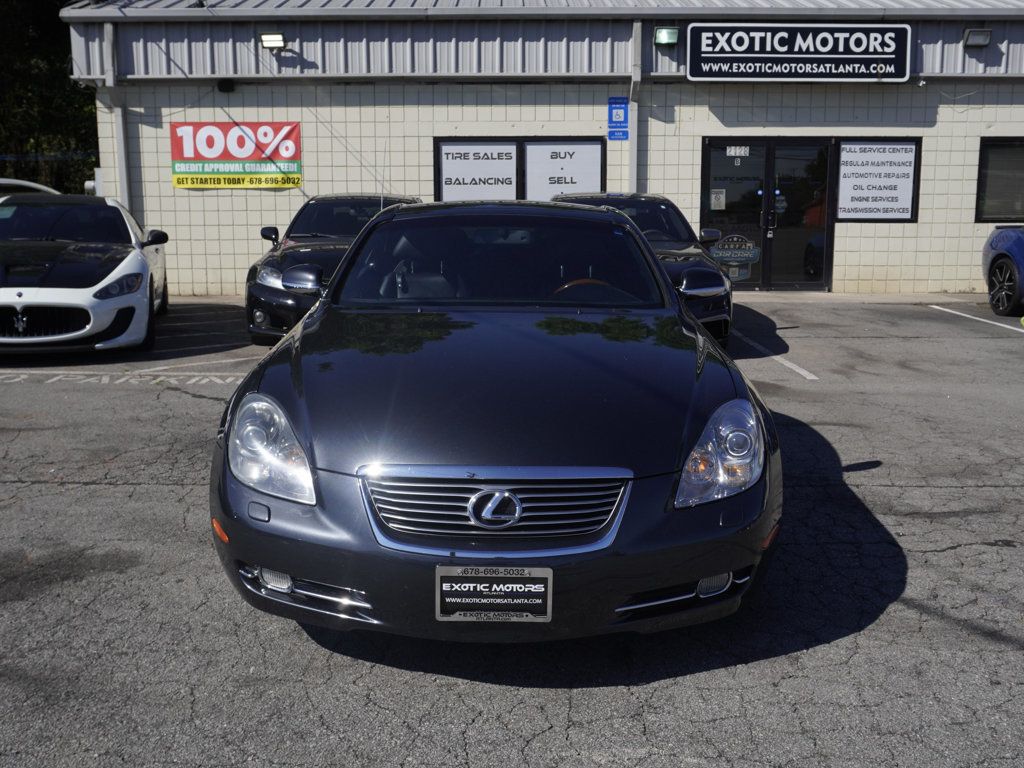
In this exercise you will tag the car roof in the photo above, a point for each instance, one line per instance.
(509, 207)
(610, 196)
(47, 198)
(367, 196)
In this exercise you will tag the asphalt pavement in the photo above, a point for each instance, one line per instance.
(888, 632)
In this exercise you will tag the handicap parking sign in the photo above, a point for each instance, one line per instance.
(618, 118)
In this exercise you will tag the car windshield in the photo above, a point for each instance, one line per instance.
(335, 218)
(500, 259)
(77, 223)
(659, 221)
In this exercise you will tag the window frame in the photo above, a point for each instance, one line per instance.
(993, 141)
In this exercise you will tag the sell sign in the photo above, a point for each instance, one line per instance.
(261, 155)
(799, 52)
(561, 167)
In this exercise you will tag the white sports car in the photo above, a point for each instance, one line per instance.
(77, 272)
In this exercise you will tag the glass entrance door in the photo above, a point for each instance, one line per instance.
(770, 199)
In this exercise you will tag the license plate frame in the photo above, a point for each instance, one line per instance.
(456, 604)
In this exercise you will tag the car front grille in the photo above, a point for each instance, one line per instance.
(41, 322)
(441, 507)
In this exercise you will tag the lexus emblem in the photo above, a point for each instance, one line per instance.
(20, 323)
(494, 509)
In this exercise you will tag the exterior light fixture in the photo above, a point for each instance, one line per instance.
(977, 38)
(666, 35)
(272, 41)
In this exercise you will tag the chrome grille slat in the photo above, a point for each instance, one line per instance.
(437, 506)
(545, 504)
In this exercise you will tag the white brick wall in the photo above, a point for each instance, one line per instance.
(351, 132)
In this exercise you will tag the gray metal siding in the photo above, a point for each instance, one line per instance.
(87, 51)
(480, 48)
(367, 49)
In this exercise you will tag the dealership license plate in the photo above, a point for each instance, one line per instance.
(473, 593)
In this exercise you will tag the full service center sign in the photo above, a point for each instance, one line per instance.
(799, 52)
(876, 181)
(261, 155)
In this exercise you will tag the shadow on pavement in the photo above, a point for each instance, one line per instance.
(835, 570)
(757, 328)
(187, 330)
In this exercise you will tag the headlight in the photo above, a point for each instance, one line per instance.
(727, 459)
(121, 286)
(269, 276)
(264, 454)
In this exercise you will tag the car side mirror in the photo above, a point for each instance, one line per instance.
(708, 237)
(303, 278)
(155, 237)
(271, 234)
(700, 283)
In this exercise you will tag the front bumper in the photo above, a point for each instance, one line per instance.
(345, 579)
(112, 323)
(282, 309)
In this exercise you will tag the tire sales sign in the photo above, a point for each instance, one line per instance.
(259, 155)
(798, 52)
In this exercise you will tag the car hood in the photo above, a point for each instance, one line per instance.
(324, 254)
(498, 388)
(46, 264)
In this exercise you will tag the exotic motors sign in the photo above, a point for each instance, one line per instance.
(876, 180)
(236, 155)
(799, 52)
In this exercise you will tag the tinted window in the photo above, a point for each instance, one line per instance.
(80, 223)
(335, 218)
(1000, 194)
(500, 260)
(658, 221)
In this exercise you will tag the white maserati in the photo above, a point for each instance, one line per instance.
(77, 272)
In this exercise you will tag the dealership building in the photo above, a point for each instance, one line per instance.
(856, 146)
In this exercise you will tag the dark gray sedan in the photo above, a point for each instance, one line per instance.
(497, 424)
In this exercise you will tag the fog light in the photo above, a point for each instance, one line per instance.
(259, 317)
(710, 586)
(275, 580)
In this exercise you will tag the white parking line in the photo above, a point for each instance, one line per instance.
(777, 358)
(979, 319)
(176, 350)
(193, 365)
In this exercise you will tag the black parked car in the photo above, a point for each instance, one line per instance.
(683, 254)
(499, 424)
(319, 235)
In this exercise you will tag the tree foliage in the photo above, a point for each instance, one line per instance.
(47, 121)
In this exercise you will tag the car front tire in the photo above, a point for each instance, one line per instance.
(165, 298)
(150, 338)
(1004, 295)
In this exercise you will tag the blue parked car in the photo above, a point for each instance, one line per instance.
(1002, 262)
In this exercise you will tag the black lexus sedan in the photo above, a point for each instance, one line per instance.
(683, 254)
(499, 424)
(319, 235)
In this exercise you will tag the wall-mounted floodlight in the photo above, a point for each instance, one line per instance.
(272, 41)
(666, 35)
(977, 38)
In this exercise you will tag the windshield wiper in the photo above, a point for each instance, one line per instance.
(314, 234)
